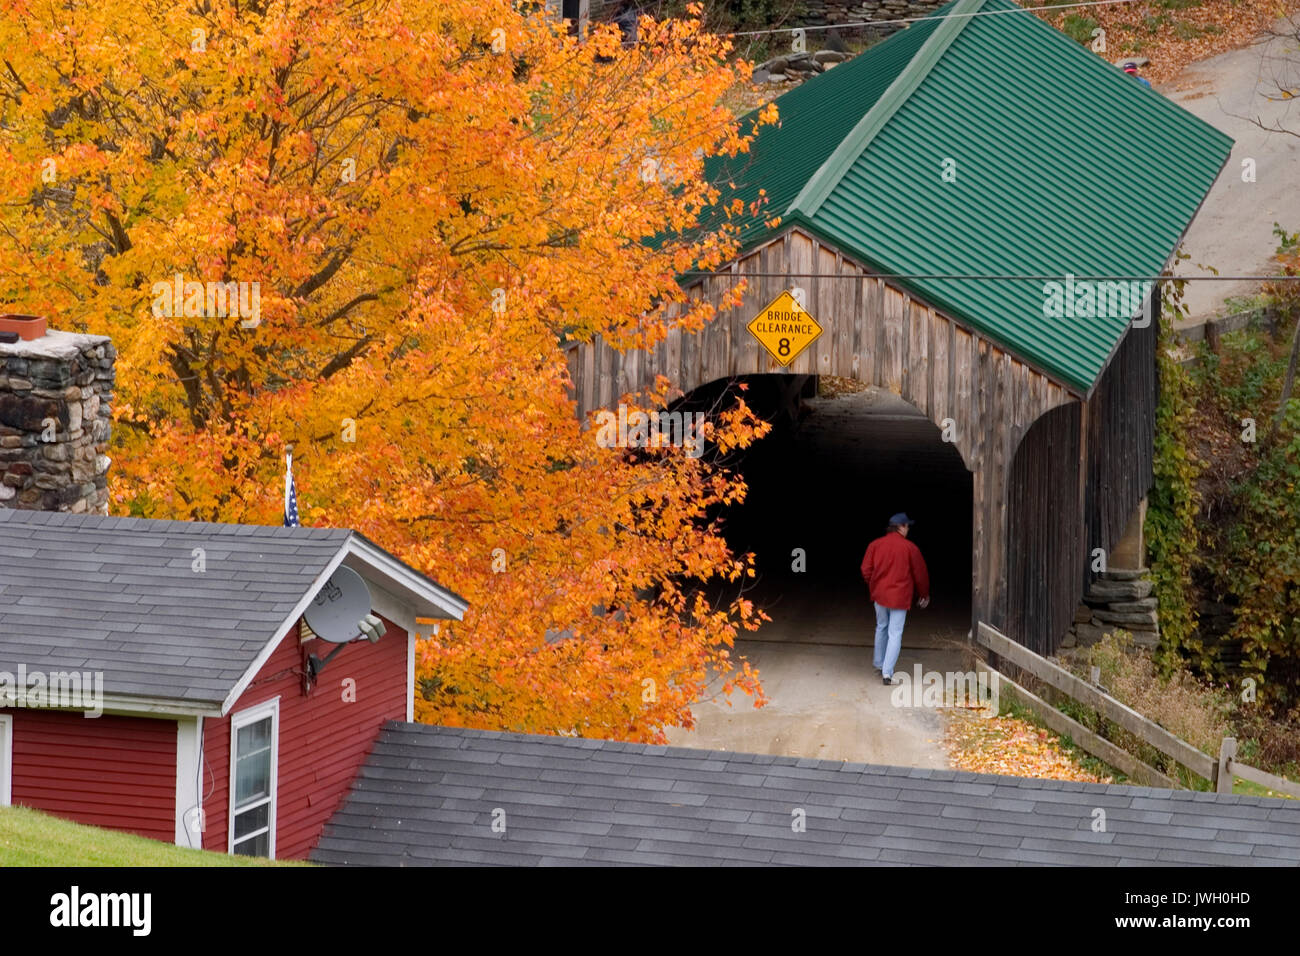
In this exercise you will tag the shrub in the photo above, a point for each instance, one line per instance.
(1175, 700)
(1078, 28)
(1263, 565)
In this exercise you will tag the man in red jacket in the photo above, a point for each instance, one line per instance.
(895, 572)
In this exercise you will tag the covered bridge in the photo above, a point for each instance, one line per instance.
(969, 211)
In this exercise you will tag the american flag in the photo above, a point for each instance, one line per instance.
(290, 495)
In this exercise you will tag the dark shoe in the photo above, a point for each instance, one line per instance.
(889, 681)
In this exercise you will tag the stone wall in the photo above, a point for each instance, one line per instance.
(1118, 600)
(852, 11)
(55, 396)
(821, 13)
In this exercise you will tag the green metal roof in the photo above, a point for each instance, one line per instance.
(1064, 166)
(815, 118)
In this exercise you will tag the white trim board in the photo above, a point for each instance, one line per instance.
(389, 572)
(410, 676)
(190, 821)
(163, 708)
(6, 759)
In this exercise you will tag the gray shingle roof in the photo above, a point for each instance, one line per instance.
(120, 595)
(427, 796)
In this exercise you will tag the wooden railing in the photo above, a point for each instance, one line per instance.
(1229, 767)
(1219, 772)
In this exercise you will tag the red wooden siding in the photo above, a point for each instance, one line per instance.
(323, 739)
(107, 771)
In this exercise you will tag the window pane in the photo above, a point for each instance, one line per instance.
(251, 820)
(253, 762)
(258, 846)
(255, 736)
(252, 778)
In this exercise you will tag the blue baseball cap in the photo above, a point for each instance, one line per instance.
(900, 519)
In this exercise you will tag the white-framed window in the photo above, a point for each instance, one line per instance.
(254, 756)
(6, 759)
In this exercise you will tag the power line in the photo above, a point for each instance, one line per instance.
(949, 16)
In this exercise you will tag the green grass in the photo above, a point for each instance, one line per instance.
(1244, 303)
(1078, 28)
(1250, 789)
(31, 838)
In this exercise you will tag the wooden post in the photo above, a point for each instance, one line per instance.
(1224, 777)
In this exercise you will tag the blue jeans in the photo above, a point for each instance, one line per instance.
(889, 626)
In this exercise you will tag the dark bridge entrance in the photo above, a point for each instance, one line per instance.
(821, 486)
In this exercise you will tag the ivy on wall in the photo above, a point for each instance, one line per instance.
(1173, 506)
(1224, 512)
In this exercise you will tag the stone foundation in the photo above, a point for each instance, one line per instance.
(55, 397)
(818, 12)
(1118, 600)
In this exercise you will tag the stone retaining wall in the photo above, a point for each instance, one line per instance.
(824, 12)
(821, 12)
(1119, 600)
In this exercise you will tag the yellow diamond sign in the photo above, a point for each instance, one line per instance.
(784, 328)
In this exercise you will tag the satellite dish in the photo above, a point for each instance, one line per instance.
(335, 613)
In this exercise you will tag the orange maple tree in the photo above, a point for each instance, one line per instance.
(369, 229)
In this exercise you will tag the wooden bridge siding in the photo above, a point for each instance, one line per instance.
(1120, 440)
(1044, 546)
(880, 335)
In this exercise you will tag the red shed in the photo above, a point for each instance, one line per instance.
(159, 677)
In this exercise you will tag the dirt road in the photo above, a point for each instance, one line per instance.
(1234, 230)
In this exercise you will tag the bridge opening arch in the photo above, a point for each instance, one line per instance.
(842, 457)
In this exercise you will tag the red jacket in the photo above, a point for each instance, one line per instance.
(892, 567)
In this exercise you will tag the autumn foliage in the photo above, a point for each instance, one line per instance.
(432, 200)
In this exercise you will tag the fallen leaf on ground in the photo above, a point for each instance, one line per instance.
(1009, 746)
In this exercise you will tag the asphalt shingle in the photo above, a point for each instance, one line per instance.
(609, 803)
(120, 596)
